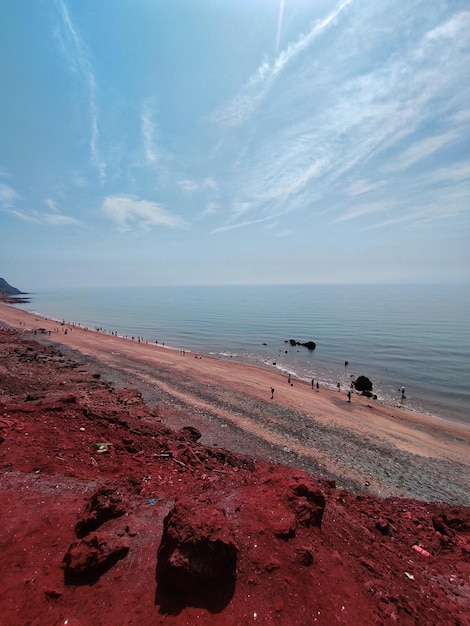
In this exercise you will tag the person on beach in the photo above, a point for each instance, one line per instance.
(272, 393)
(339, 386)
(288, 379)
(318, 386)
(349, 396)
(402, 390)
(313, 380)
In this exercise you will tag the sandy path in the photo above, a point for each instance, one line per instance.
(363, 444)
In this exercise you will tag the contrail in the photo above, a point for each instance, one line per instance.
(279, 24)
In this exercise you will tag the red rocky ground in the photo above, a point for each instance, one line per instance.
(109, 517)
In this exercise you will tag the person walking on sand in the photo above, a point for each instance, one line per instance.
(288, 379)
(339, 386)
(272, 393)
(313, 380)
(318, 386)
(349, 396)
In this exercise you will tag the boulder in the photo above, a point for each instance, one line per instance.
(362, 383)
(87, 559)
(309, 504)
(197, 558)
(105, 504)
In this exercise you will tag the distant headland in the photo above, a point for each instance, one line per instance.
(11, 294)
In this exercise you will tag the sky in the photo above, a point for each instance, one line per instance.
(178, 142)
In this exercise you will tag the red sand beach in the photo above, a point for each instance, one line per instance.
(299, 424)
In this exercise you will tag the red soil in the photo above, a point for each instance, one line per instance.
(91, 534)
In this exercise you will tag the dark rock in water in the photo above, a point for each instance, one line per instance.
(369, 394)
(364, 384)
(311, 345)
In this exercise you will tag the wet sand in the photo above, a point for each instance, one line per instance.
(363, 445)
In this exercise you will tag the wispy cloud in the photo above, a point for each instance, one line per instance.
(126, 211)
(24, 216)
(457, 26)
(8, 195)
(57, 219)
(243, 105)
(190, 186)
(76, 53)
(279, 23)
(419, 150)
(352, 116)
(52, 205)
(361, 187)
(363, 210)
(228, 227)
(422, 216)
(455, 172)
(211, 209)
(149, 131)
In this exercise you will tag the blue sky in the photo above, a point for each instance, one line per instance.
(184, 142)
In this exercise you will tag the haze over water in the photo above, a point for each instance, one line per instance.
(416, 336)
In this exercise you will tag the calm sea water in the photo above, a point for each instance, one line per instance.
(416, 336)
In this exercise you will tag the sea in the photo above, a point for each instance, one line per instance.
(416, 336)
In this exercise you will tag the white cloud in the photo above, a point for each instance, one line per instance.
(127, 210)
(363, 210)
(188, 185)
(221, 229)
(211, 209)
(56, 217)
(191, 186)
(149, 132)
(8, 195)
(76, 53)
(422, 149)
(283, 233)
(456, 172)
(456, 28)
(52, 205)
(25, 217)
(360, 187)
(332, 125)
(60, 220)
(243, 105)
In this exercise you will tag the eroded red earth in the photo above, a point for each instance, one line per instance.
(109, 517)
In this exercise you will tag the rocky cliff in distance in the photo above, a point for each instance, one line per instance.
(10, 294)
(7, 290)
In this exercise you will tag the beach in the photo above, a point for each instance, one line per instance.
(363, 445)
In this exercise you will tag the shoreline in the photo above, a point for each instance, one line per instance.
(373, 447)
